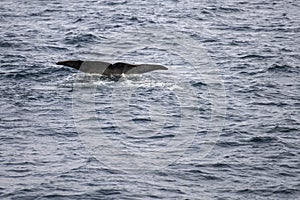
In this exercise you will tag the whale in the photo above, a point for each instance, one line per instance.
(108, 69)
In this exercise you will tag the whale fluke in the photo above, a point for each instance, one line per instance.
(105, 68)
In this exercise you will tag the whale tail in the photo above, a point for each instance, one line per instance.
(143, 68)
(105, 68)
(71, 63)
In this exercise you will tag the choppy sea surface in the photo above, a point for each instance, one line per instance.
(222, 123)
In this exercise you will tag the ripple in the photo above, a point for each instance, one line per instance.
(282, 68)
(263, 139)
(82, 38)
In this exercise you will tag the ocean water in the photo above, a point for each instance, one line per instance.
(222, 123)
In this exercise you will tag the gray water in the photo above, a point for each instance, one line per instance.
(221, 123)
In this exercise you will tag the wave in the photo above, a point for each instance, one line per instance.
(283, 68)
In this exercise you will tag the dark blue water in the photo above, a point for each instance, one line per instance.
(222, 123)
